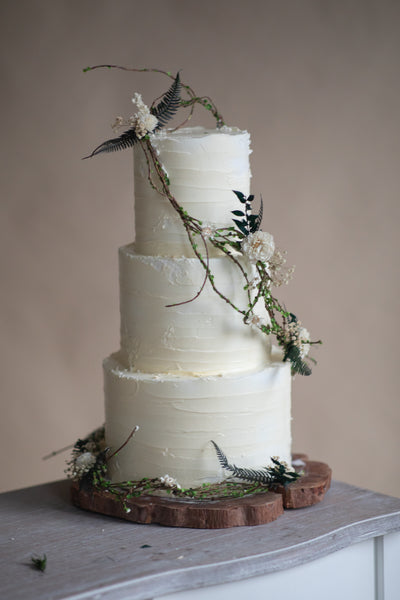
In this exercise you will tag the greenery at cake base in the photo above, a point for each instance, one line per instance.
(126, 490)
(88, 467)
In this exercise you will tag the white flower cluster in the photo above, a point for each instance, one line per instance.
(81, 465)
(276, 271)
(169, 482)
(299, 336)
(257, 246)
(143, 121)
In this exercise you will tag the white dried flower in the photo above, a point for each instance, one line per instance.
(258, 246)
(278, 274)
(143, 121)
(82, 464)
(254, 283)
(207, 230)
(169, 482)
(256, 321)
(299, 336)
(304, 337)
(119, 121)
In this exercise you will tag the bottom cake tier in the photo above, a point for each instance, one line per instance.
(248, 415)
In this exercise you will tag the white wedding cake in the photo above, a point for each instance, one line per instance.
(189, 369)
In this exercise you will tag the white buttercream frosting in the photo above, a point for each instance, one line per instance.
(195, 372)
(203, 336)
(203, 166)
(247, 415)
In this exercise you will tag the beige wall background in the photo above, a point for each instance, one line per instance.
(316, 82)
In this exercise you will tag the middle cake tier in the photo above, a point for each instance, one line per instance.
(204, 336)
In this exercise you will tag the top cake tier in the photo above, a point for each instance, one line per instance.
(203, 167)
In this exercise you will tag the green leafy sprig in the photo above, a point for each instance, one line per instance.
(39, 562)
(249, 223)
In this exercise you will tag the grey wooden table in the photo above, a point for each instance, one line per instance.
(348, 546)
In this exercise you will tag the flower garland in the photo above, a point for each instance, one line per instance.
(244, 238)
(90, 456)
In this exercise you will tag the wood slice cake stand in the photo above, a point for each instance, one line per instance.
(256, 509)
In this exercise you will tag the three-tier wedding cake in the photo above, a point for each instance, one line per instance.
(196, 375)
(189, 369)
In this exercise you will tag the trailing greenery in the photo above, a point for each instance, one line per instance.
(243, 239)
(94, 476)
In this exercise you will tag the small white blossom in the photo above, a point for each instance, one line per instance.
(118, 123)
(254, 283)
(298, 463)
(169, 482)
(299, 336)
(207, 230)
(81, 465)
(256, 321)
(143, 121)
(87, 459)
(304, 337)
(258, 246)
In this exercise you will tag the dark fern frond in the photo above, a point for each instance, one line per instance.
(221, 456)
(126, 140)
(259, 216)
(292, 353)
(278, 474)
(167, 107)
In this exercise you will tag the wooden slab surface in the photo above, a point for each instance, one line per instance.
(181, 512)
(310, 488)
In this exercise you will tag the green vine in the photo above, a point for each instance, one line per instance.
(90, 457)
(243, 238)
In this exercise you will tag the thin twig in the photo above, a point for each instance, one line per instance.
(132, 433)
(55, 452)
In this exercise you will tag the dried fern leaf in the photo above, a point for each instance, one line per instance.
(260, 476)
(260, 215)
(278, 474)
(167, 107)
(126, 140)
